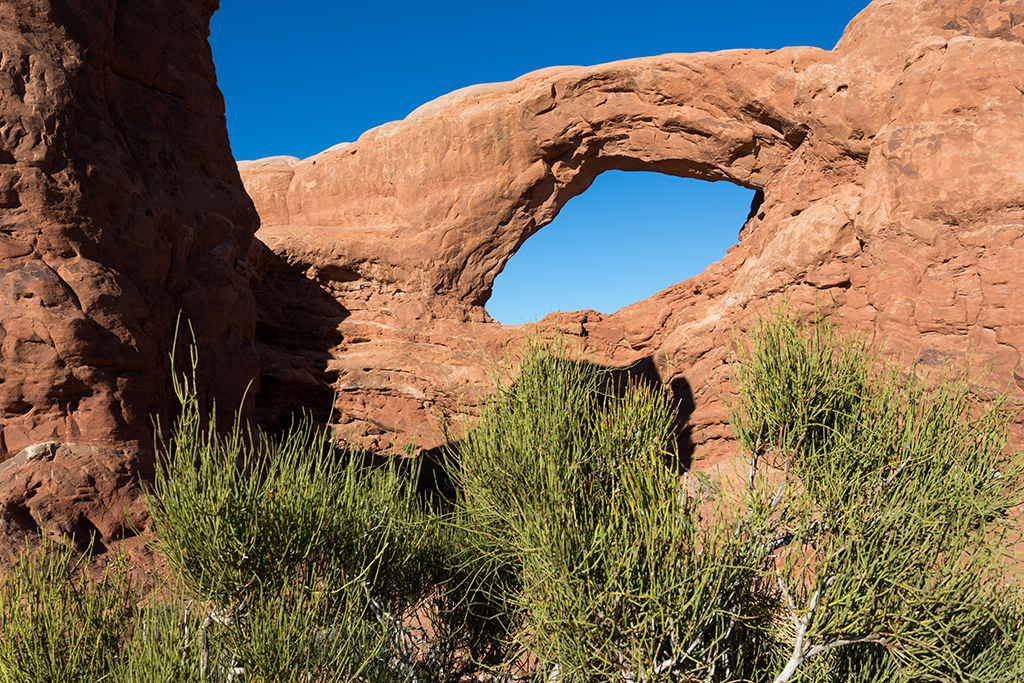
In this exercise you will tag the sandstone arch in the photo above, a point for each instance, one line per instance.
(504, 158)
(497, 162)
(856, 150)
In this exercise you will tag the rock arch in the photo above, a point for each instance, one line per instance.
(464, 180)
(855, 151)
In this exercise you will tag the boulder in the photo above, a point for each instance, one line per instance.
(888, 183)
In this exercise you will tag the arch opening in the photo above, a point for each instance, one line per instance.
(629, 236)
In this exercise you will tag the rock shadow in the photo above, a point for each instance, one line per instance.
(296, 328)
(645, 372)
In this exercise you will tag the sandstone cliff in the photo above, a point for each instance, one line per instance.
(120, 205)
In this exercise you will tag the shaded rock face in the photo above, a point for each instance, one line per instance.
(120, 205)
(889, 186)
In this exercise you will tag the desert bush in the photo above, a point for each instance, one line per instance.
(593, 547)
(869, 543)
(799, 382)
(887, 497)
(300, 554)
(869, 539)
(57, 625)
(163, 642)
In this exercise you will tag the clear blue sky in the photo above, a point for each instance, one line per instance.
(301, 76)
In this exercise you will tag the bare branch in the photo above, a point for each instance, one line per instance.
(398, 638)
(801, 623)
(839, 642)
(753, 464)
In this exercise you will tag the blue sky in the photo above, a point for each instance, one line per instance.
(301, 76)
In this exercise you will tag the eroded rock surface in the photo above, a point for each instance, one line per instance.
(120, 205)
(890, 186)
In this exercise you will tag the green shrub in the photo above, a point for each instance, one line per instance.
(799, 383)
(315, 636)
(871, 541)
(593, 548)
(163, 642)
(297, 551)
(56, 625)
(888, 499)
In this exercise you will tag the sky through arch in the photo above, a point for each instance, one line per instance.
(630, 235)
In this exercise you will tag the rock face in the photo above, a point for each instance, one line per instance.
(120, 205)
(890, 188)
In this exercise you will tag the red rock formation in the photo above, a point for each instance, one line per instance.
(889, 169)
(120, 205)
(892, 191)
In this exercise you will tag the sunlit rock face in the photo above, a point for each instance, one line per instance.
(892, 191)
(889, 181)
(120, 205)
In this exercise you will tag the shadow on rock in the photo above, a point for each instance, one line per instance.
(435, 478)
(296, 328)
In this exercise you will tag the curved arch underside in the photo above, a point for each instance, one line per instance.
(891, 185)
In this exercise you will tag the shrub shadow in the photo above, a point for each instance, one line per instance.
(437, 485)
